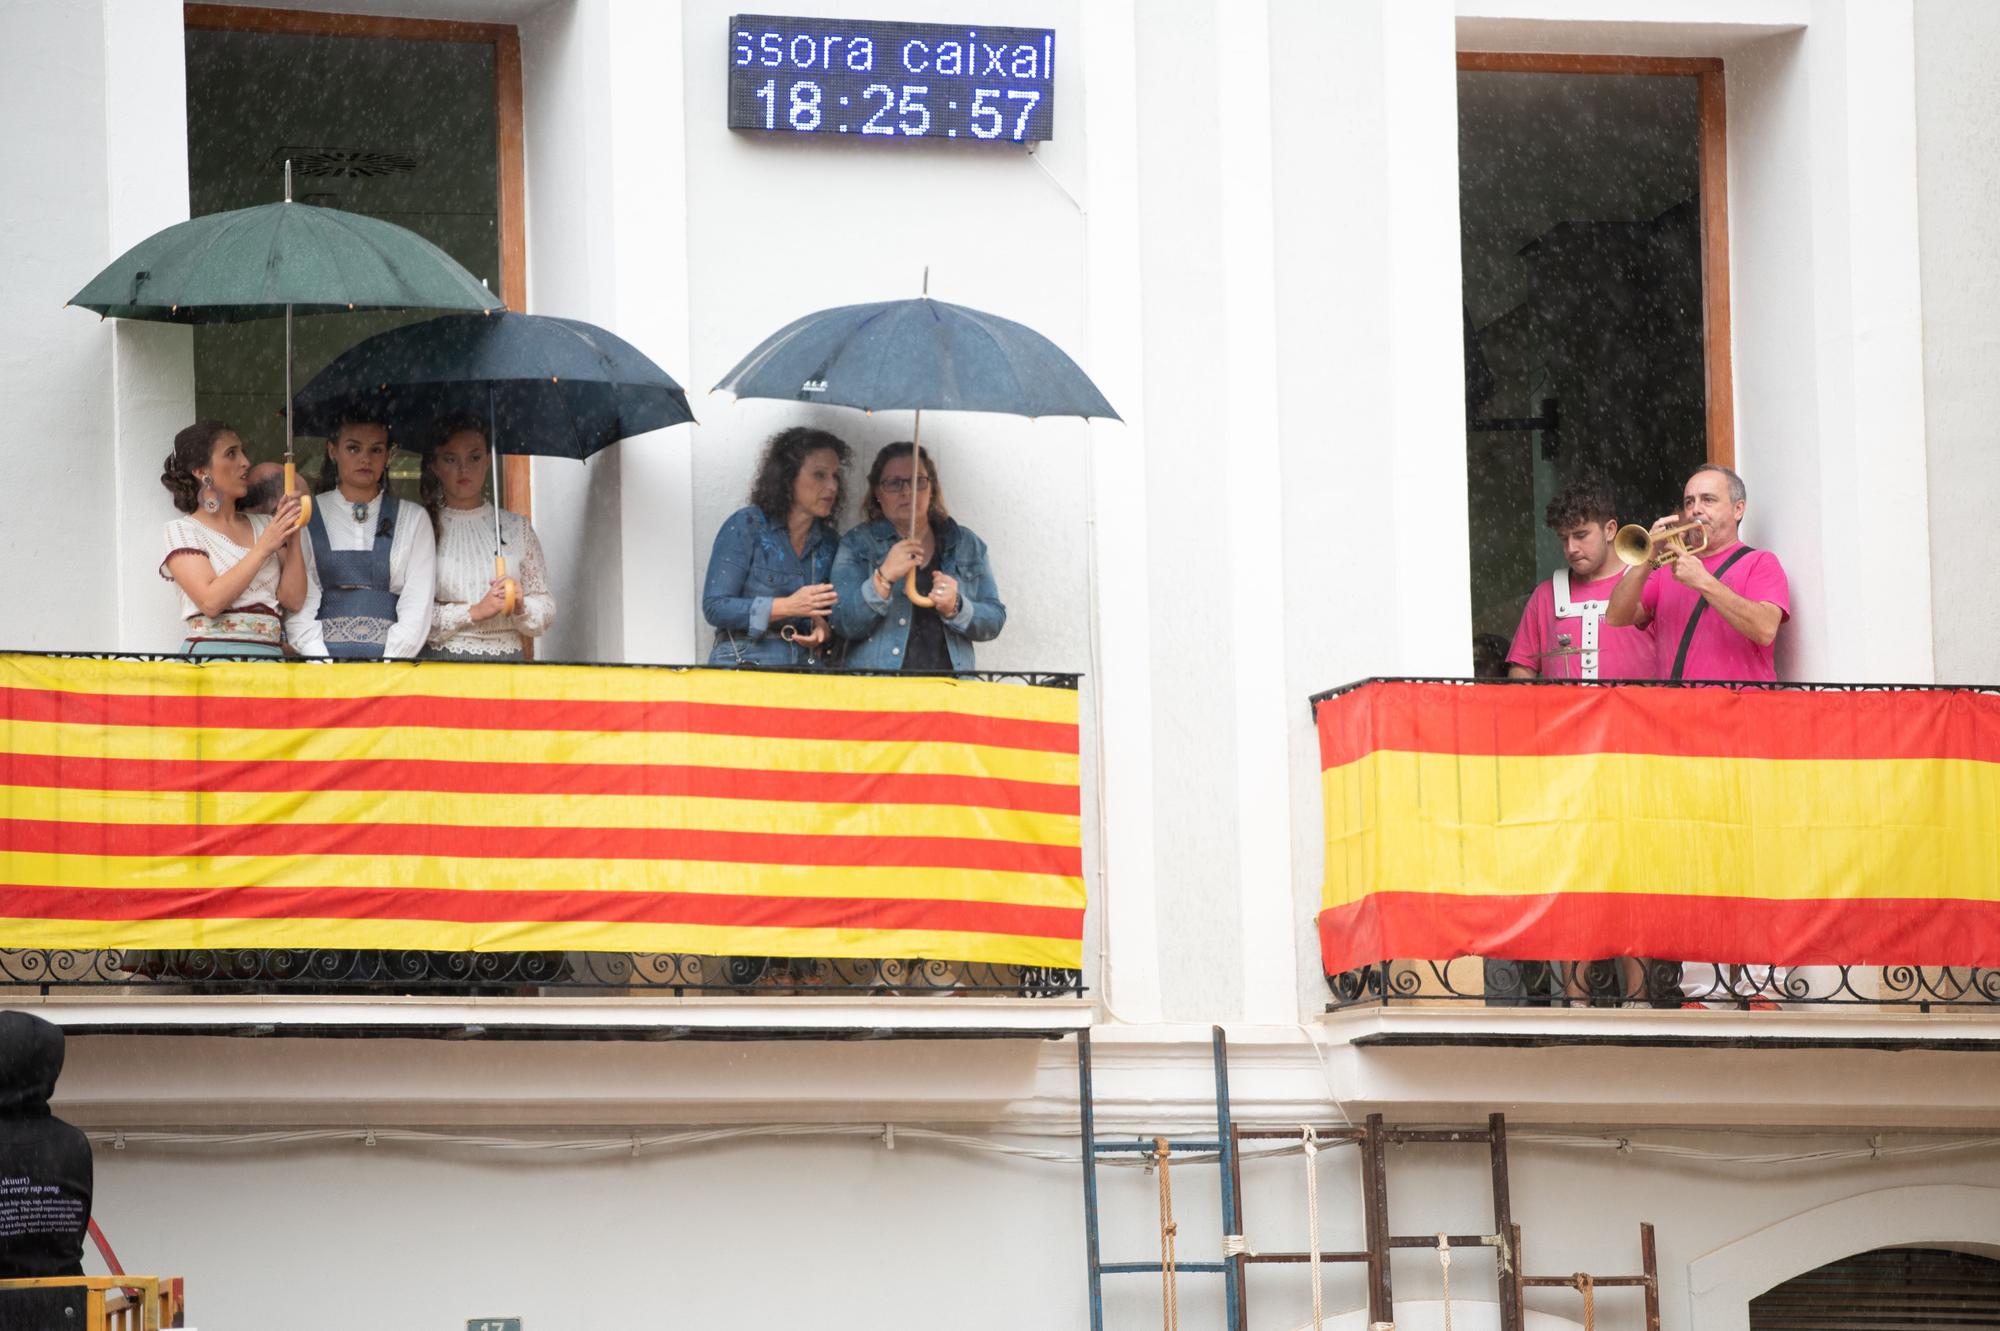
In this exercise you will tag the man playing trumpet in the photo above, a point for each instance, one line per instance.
(1714, 610)
(1562, 633)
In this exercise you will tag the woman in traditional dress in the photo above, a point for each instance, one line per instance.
(471, 620)
(370, 558)
(237, 573)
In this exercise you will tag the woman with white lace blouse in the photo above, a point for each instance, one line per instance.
(470, 621)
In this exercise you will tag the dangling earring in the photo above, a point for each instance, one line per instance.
(211, 503)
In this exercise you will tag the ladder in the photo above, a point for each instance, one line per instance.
(1222, 1146)
(1373, 1138)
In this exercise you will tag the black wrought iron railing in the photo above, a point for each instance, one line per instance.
(335, 971)
(1636, 983)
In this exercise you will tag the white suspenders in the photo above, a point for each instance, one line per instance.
(1589, 611)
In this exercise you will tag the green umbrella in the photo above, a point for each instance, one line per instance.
(277, 259)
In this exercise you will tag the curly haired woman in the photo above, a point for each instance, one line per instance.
(237, 573)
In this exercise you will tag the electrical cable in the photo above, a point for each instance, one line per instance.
(640, 1144)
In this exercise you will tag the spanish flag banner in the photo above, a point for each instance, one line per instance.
(1780, 826)
(451, 807)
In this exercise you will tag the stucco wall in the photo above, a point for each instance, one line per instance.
(848, 1233)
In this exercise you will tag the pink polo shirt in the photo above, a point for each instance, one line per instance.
(1718, 651)
(1625, 653)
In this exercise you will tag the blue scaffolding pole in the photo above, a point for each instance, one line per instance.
(1221, 1146)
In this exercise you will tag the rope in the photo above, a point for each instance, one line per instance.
(1444, 1265)
(1309, 1143)
(1169, 1290)
(1587, 1286)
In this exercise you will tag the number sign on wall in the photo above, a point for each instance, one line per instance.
(897, 80)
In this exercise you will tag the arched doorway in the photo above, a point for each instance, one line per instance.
(1904, 1288)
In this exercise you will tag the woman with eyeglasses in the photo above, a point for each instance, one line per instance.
(926, 622)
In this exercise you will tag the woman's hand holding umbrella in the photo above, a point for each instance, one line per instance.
(813, 602)
(503, 597)
(905, 557)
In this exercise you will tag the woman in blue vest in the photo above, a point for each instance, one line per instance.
(958, 601)
(769, 588)
(371, 561)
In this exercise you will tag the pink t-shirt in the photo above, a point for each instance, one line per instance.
(1718, 651)
(1625, 653)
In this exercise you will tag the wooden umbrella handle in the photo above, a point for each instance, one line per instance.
(292, 488)
(510, 600)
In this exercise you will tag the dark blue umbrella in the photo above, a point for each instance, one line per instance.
(917, 355)
(551, 387)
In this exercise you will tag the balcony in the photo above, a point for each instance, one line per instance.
(223, 833)
(1671, 852)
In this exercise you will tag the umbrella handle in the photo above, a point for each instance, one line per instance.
(510, 600)
(916, 597)
(292, 488)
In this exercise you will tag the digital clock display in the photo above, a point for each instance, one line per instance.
(897, 80)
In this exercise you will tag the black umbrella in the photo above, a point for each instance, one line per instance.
(551, 387)
(917, 355)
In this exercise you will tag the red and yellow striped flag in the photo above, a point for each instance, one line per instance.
(171, 804)
(1789, 827)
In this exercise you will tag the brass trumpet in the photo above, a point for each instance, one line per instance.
(1636, 545)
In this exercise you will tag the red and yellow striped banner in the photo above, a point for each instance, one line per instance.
(172, 804)
(1788, 827)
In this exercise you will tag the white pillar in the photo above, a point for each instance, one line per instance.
(1121, 684)
(152, 365)
(648, 305)
(1250, 464)
(1429, 631)
(607, 242)
(1874, 553)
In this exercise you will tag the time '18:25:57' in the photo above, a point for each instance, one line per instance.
(901, 110)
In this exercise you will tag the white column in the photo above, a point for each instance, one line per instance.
(1251, 465)
(1427, 546)
(607, 242)
(1874, 554)
(152, 365)
(1120, 684)
(647, 126)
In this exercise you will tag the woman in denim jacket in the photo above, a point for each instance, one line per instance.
(884, 627)
(769, 591)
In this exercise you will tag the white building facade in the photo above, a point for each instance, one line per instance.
(1247, 229)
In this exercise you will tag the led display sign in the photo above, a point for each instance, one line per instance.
(894, 80)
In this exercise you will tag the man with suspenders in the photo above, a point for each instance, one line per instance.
(1562, 633)
(1715, 615)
